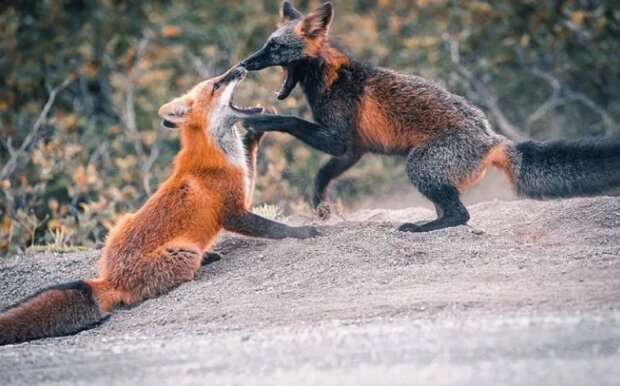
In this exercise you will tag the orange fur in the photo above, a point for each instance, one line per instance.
(161, 245)
(319, 47)
(377, 130)
(499, 157)
(166, 241)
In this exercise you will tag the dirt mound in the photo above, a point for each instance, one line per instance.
(521, 257)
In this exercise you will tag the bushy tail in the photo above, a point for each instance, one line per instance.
(55, 311)
(558, 169)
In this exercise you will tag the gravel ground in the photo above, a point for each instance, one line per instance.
(529, 293)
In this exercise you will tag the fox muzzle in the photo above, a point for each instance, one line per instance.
(258, 60)
(233, 75)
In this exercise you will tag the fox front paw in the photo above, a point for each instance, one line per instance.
(410, 227)
(323, 210)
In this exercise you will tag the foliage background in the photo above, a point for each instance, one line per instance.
(82, 80)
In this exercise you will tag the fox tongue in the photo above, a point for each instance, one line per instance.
(288, 84)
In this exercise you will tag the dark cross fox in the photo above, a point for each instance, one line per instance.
(448, 142)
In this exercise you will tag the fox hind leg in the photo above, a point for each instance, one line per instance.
(450, 210)
(157, 274)
(437, 167)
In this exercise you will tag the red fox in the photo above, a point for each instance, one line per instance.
(164, 243)
(448, 142)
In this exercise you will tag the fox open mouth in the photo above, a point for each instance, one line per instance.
(289, 82)
(244, 110)
(241, 110)
(167, 124)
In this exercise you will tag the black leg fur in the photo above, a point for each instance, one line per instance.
(332, 169)
(325, 139)
(450, 210)
(250, 224)
(433, 166)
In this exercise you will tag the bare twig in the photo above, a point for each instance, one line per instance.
(11, 164)
(490, 100)
(571, 96)
(8, 144)
(128, 116)
(553, 101)
(129, 112)
(198, 64)
(486, 97)
(147, 166)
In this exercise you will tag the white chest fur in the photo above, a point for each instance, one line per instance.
(222, 130)
(227, 138)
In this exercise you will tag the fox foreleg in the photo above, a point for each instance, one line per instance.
(326, 139)
(250, 224)
(332, 169)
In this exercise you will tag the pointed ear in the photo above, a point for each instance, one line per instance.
(318, 22)
(175, 112)
(288, 12)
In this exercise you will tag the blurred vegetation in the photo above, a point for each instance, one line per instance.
(82, 81)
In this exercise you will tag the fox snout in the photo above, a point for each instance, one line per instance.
(236, 73)
(257, 61)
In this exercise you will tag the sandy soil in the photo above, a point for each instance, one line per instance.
(529, 293)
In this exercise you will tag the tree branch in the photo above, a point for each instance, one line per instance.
(128, 116)
(129, 112)
(198, 64)
(486, 97)
(11, 164)
(570, 96)
(490, 101)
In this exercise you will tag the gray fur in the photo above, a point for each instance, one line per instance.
(566, 168)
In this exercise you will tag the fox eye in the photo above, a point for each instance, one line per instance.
(216, 86)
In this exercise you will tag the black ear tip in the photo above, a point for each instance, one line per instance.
(327, 8)
(287, 10)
